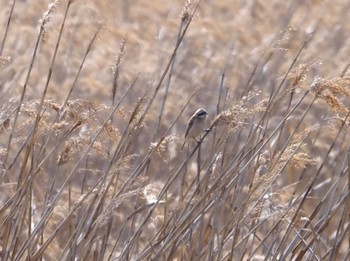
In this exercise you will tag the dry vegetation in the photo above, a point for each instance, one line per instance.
(94, 100)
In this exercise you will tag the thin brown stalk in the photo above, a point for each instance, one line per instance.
(7, 27)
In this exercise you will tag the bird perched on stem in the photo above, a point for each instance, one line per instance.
(195, 125)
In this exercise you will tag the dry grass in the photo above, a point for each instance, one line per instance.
(94, 99)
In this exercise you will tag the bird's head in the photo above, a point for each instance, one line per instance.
(201, 113)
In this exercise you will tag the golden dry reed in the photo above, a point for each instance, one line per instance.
(94, 102)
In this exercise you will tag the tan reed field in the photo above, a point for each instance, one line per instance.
(94, 101)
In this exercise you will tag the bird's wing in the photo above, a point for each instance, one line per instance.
(189, 125)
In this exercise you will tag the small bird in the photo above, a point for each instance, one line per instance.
(195, 125)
